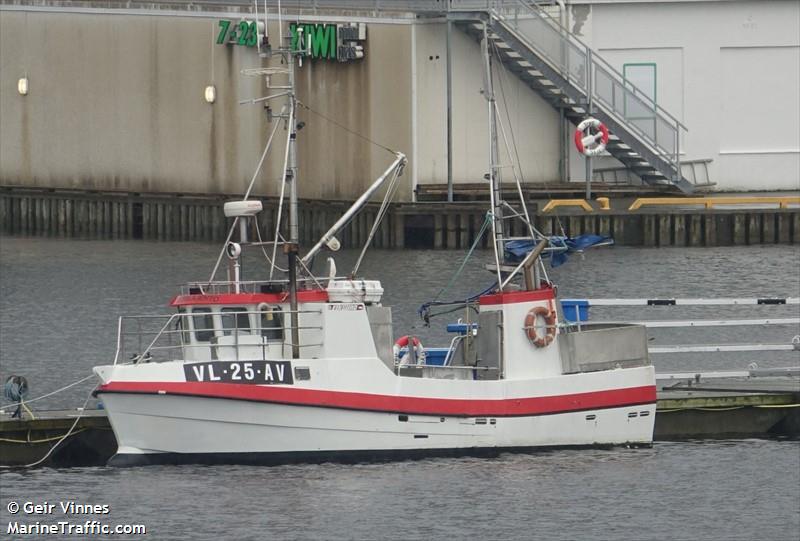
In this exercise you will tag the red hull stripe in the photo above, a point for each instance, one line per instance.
(400, 404)
(312, 295)
(543, 294)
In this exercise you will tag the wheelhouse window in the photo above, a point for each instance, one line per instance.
(272, 323)
(203, 324)
(235, 319)
(181, 327)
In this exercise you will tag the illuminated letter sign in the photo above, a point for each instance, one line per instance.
(329, 41)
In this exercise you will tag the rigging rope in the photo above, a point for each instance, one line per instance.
(283, 194)
(390, 191)
(513, 137)
(345, 128)
(424, 310)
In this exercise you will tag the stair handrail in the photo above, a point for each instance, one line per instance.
(595, 56)
(498, 6)
(499, 9)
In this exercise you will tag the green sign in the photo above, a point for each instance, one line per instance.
(245, 33)
(318, 40)
(342, 42)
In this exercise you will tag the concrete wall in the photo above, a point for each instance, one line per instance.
(730, 70)
(523, 114)
(116, 102)
(116, 98)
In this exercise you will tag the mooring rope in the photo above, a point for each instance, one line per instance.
(64, 388)
(69, 432)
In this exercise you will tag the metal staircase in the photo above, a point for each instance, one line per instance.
(570, 76)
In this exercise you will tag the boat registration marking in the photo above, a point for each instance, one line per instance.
(256, 372)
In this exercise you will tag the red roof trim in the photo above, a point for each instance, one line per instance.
(311, 295)
(280, 394)
(544, 294)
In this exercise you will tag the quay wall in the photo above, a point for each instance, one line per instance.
(423, 225)
(116, 102)
(115, 98)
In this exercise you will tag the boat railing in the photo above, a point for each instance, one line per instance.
(228, 286)
(221, 287)
(159, 338)
(423, 369)
(753, 324)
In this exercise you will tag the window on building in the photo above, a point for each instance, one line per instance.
(639, 109)
(203, 324)
(235, 319)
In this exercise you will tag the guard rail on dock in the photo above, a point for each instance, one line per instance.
(709, 202)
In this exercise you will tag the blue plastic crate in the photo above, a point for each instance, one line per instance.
(575, 310)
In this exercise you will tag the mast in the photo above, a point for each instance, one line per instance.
(494, 181)
(292, 247)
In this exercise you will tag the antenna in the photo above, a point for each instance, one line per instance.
(280, 26)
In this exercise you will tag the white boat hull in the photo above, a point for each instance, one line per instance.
(171, 428)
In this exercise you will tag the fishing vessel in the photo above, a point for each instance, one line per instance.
(298, 367)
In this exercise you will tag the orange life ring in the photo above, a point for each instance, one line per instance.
(549, 317)
(402, 342)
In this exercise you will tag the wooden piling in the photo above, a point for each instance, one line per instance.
(768, 228)
(24, 212)
(784, 227)
(122, 209)
(463, 230)
(451, 230)
(796, 227)
(664, 230)
(754, 229)
(97, 217)
(4, 214)
(649, 230)
(695, 230)
(739, 229)
(107, 209)
(384, 232)
(604, 225)
(574, 225)
(399, 231)
(91, 218)
(679, 230)
(438, 236)
(93, 215)
(145, 220)
(46, 213)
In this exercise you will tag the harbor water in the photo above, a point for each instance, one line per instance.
(60, 299)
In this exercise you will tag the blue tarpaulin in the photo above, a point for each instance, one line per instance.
(516, 250)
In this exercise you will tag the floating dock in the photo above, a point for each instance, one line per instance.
(28, 440)
(688, 407)
(697, 408)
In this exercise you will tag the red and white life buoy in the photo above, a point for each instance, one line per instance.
(402, 342)
(591, 137)
(549, 318)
